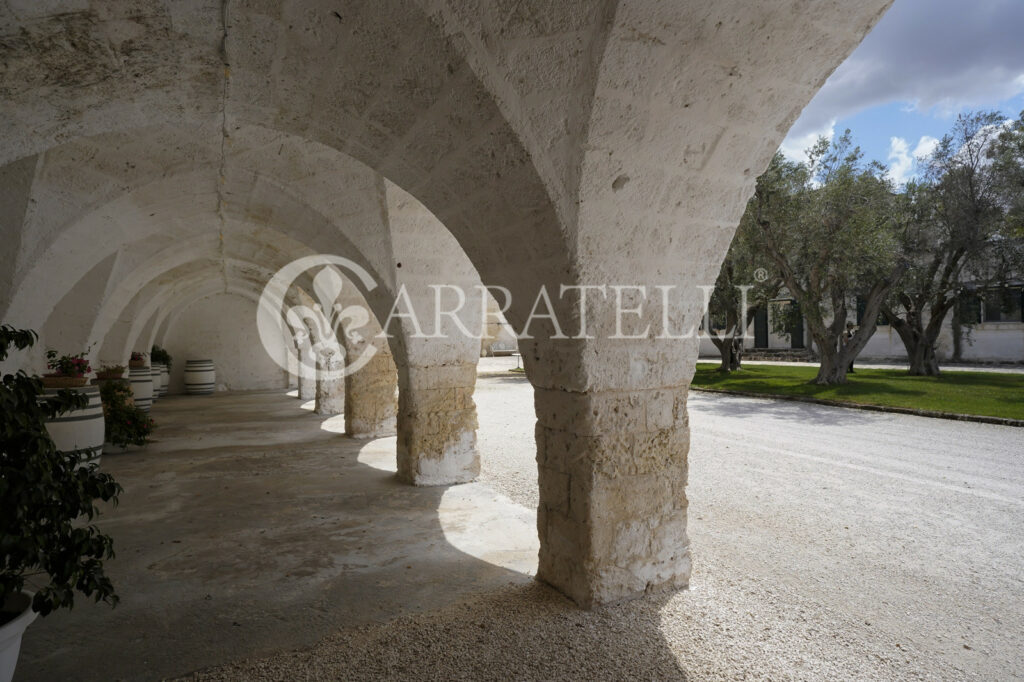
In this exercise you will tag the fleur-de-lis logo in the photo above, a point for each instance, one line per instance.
(328, 319)
(320, 324)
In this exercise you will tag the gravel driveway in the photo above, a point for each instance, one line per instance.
(897, 541)
(828, 544)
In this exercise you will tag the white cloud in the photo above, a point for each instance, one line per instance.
(795, 148)
(935, 55)
(903, 162)
(925, 146)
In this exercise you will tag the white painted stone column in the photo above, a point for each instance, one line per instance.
(330, 384)
(437, 368)
(307, 375)
(437, 425)
(370, 398)
(612, 469)
(612, 442)
(371, 380)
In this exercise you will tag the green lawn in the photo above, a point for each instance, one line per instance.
(979, 393)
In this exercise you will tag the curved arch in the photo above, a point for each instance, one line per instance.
(166, 311)
(608, 143)
(173, 309)
(167, 266)
(155, 296)
(49, 276)
(248, 152)
(466, 134)
(217, 324)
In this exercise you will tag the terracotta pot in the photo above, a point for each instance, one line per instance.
(136, 364)
(64, 382)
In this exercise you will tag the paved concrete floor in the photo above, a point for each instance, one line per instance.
(251, 525)
(828, 544)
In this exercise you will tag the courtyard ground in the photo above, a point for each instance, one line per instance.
(827, 544)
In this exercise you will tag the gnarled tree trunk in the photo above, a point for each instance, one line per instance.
(730, 346)
(835, 353)
(923, 362)
(731, 349)
(831, 369)
(919, 339)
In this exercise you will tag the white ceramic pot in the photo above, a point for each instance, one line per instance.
(141, 379)
(10, 634)
(81, 429)
(165, 379)
(156, 372)
(200, 377)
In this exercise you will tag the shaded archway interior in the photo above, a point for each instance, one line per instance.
(174, 150)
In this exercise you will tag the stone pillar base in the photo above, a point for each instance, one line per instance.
(330, 390)
(370, 399)
(612, 515)
(307, 388)
(437, 426)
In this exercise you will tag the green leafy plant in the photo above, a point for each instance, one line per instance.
(125, 424)
(48, 499)
(158, 354)
(67, 365)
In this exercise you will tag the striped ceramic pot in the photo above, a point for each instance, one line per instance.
(199, 377)
(80, 429)
(157, 376)
(141, 379)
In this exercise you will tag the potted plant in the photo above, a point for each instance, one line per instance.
(67, 371)
(161, 360)
(158, 354)
(138, 360)
(125, 424)
(46, 557)
(107, 372)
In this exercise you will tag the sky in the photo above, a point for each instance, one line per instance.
(924, 62)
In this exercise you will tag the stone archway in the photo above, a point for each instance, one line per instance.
(562, 144)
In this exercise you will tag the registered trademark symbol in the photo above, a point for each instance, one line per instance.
(760, 274)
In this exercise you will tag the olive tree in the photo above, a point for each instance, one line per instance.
(743, 285)
(958, 234)
(830, 227)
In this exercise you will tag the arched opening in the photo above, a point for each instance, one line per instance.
(609, 144)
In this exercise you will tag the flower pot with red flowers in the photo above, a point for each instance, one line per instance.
(81, 428)
(66, 371)
(107, 372)
(138, 360)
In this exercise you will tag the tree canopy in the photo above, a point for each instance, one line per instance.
(841, 237)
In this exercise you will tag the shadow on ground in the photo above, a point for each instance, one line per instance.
(250, 528)
(522, 632)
